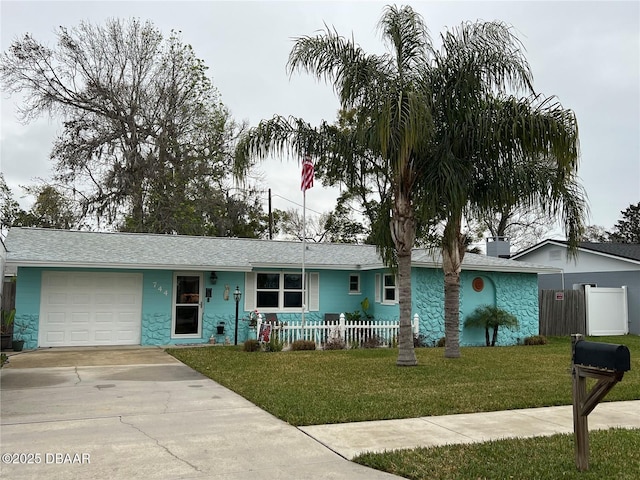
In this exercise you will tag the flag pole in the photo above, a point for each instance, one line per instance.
(304, 251)
(306, 183)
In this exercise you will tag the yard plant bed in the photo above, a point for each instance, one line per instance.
(320, 387)
(615, 454)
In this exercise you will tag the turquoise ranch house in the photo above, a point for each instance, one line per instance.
(97, 289)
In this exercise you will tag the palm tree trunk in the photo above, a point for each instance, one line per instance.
(406, 351)
(486, 336)
(452, 254)
(494, 339)
(403, 231)
(452, 313)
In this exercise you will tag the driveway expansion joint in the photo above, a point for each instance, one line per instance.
(164, 447)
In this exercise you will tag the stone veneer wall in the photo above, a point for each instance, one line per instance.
(515, 292)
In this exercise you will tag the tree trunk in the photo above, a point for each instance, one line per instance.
(494, 339)
(452, 254)
(406, 351)
(452, 313)
(486, 336)
(403, 231)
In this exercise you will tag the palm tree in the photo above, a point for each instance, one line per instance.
(391, 128)
(490, 317)
(492, 150)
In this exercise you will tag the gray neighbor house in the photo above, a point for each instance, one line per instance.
(608, 265)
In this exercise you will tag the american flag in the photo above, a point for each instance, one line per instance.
(307, 174)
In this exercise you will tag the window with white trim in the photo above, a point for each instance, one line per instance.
(354, 283)
(389, 289)
(278, 291)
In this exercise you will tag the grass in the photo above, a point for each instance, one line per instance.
(320, 387)
(613, 454)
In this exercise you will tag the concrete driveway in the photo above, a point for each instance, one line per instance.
(122, 413)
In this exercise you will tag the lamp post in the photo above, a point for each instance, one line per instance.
(236, 296)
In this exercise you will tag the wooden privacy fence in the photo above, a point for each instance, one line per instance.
(562, 312)
(361, 332)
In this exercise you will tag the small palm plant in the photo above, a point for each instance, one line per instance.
(490, 317)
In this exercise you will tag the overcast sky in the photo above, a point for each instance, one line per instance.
(585, 53)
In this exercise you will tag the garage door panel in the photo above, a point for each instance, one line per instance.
(126, 299)
(80, 336)
(57, 299)
(76, 299)
(104, 299)
(81, 308)
(55, 318)
(102, 318)
(55, 279)
(54, 338)
(103, 335)
(128, 284)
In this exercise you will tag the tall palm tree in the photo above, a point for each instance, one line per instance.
(491, 149)
(393, 126)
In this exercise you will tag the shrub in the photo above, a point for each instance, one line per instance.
(536, 340)
(335, 344)
(419, 341)
(303, 345)
(441, 342)
(252, 345)
(490, 318)
(274, 344)
(372, 342)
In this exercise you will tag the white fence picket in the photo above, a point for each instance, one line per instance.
(352, 333)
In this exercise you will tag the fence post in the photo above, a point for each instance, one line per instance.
(342, 327)
(580, 425)
(258, 325)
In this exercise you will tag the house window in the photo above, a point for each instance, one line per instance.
(389, 294)
(278, 291)
(354, 283)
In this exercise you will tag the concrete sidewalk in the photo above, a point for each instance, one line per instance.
(352, 439)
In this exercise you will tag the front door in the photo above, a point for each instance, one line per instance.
(187, 312)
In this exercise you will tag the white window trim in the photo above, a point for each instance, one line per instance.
(355, 292)
(311, 292)
(383, 289)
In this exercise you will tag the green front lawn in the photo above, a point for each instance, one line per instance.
(614, 454)
(320, 387)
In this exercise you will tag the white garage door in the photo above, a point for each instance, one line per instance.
(82, 309)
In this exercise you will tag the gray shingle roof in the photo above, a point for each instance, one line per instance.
(48, 247)
(622, 250)
(629, 251)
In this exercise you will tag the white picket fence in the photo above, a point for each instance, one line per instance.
(362, 332)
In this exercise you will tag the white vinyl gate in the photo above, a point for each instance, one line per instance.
(606, 311)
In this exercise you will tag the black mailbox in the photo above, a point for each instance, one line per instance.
(602, 355)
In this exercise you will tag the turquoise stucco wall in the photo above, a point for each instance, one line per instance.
(515, 292)
(27, 316)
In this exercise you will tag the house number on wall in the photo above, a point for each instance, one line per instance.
(160, 289)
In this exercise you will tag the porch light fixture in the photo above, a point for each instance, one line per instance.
(237, 294)
(213, 278)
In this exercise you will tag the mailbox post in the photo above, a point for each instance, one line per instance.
(604, 362)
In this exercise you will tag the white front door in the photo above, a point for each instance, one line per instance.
(187, 306)
(90, 308)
